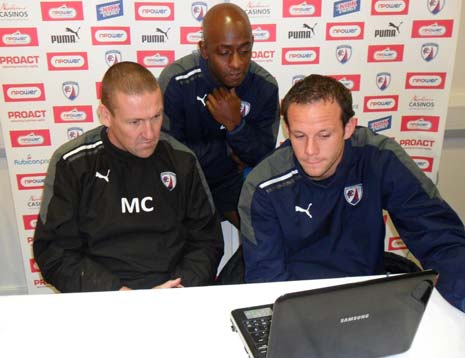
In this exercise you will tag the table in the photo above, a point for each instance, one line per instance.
(186, 322)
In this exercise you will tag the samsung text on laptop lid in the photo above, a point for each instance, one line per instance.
(371, 318)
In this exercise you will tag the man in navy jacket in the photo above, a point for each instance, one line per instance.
(222, 105)
(314, 208)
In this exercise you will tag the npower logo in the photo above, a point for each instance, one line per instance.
(18, 37)
(67, 61)
(156, 59)
(72, 114)
(385, 53)
(25, 92)
(419, 124)
(155, 11)
(300, 55)
(111, 35)
(380, 103)
(30, 181)
(61, 11)
(389, 7)
(264, 32)
(351, 82)
(425, 80)
(30, 138)
(345, 30)
(432, 28)
(30, 221)
(190, 35)
(424, 163)
(301, 8)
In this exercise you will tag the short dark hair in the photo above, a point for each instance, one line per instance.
(126, 77)
(315, 88)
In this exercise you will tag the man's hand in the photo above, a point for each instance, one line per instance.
(225, 106)
(176, 283)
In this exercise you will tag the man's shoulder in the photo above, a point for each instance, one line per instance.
(259, 71)
(274, 170)
(179, 68)
(172, 144)
(88, 141)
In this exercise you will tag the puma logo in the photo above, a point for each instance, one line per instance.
(311, 28)
(397, 27)
(163, 32)
(104, 177)
(202, 99)
(73, 32)
(298, 209)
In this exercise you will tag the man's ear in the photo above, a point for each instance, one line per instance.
(350, 128)
(203, 49)
(104, 115)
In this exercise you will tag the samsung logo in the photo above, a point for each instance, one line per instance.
(354, 318)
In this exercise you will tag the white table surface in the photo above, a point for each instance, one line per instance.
(186, 322)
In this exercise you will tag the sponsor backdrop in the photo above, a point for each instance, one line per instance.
(395, 55)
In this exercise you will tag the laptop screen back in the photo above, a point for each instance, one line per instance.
(366, 319)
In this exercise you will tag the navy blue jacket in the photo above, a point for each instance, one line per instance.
(295, 228)
(185, 84)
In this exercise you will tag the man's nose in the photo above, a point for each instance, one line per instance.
(311, 147)
(236, 60)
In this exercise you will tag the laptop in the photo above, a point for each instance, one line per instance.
(371, 318)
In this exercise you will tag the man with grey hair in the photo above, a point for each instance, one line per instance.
(126, 206)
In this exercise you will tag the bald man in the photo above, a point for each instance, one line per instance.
(222, 105)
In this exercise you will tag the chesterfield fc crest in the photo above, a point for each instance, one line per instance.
(353, 194)
(198, 10)
(169, 180)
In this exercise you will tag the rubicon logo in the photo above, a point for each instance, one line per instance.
(419, 123)
(30, 221)
(351, 82)
(155, 59)
(380, 124)
(301, 8)
(264, 32)
(67, 61)
(190, 34)
(432, 28)
(389, 7)
(300, 56)
(18, 37)
(385, 53)
(380, 103)
(61, 11)
(158, 11)
(30, 138)
(345, 30)
(425, 80)
(72, 114)
(395, 243)
(424, 163)
(25, 92)
(111, 35)
(30, 181)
